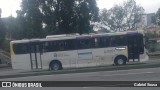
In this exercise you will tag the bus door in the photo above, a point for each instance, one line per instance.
(85, 57)
(35, 55)
(133, 46)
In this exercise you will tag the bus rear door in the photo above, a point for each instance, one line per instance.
(135, 46)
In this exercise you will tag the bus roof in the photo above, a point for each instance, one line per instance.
(25, 40)
(109, 34)
(62, 35)
(75, 36)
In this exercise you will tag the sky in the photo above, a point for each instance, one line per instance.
(9, 7)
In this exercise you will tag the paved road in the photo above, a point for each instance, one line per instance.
(150, 74)
(152, 63)
(147, 74)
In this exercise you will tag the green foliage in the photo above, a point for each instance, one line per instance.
(122, 17)
(2, 33)
(38, 18)
(30, 19)
(153, 19)
(151, 35)
(158, 17)
(13, 30)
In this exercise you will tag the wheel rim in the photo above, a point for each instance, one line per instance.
(120, 61)
(55, 67)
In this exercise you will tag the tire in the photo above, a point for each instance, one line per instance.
(120, 60)
(55, 66)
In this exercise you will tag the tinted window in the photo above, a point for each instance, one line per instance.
(118, 41)
(59, 45)
(101, 42)
(135, 43)
(20, 48)
(35, 48)
(69, 45)
(110, 41)
(85, 43)
(140, 43)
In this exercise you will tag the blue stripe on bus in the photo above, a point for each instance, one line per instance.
(85, 53)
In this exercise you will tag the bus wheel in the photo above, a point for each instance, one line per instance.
(120, 60)
(55, 66)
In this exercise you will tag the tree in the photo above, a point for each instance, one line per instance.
(39, 18)
(133, 12)
(2, 31)
(13, 30)
(153, 19)
(70, 16)
(122, 17)
(158, 17)
(87, 12)
(30, 19)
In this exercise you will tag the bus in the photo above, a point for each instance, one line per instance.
(57, 52)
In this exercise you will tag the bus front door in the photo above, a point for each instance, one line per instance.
(85, 55)
(84, 58)
(35, 55)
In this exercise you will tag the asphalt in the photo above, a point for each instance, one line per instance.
(4, 66)
(7, 72)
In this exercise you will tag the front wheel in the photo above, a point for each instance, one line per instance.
(120, 60)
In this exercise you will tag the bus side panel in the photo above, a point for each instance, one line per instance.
(109, 54)
(85, 58)
(21, 61)
(98, 56)
(121, 50)
(47, 57)
(67, 58)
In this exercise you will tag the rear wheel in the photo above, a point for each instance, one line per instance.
(55, 66)
(120, 60)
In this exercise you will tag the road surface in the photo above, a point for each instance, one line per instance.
(147, 74)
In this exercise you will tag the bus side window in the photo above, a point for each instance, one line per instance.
(69, 44)
(85, 43)
(96, 43)
(20, 48)
(47, 47)
(104, 42)
(118, 41)
(113, 41)
(60, 45)
(122, 41)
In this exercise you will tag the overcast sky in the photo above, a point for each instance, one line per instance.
(10, 6)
